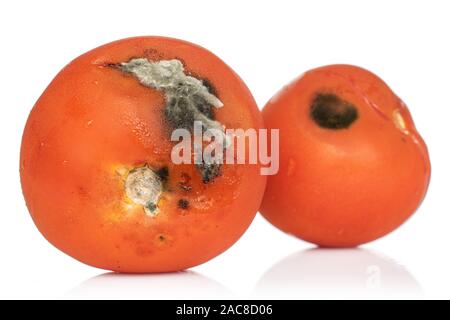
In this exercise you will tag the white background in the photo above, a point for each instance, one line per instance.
(407, 43)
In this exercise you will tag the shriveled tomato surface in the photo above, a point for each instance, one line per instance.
(352, 165)
(98, 122)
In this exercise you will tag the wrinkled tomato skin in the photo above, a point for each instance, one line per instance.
(348, 186)
(91, 122)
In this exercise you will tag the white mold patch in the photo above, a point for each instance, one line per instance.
(168, 75)
(144, 187)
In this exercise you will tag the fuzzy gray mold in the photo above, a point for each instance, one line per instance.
(188, 99)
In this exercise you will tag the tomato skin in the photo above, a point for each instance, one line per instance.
(92, 122)
(344, 187)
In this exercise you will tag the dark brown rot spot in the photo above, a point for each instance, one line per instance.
(161, 237)
(209, 171)
(185, 182)
(163, 173)
(183, 204)
(331, 112)
(210, 86)
(111, 65)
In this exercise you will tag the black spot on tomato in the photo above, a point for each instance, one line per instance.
(331, 112)
(183, 204)
(163, 173)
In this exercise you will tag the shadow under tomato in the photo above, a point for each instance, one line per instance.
(178, 285)
(337, 273)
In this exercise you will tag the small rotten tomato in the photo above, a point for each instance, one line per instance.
(352, 165)
(96, 166)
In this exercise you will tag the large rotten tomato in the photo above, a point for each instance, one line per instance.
(96, 166)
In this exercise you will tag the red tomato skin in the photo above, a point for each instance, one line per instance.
(345, 187)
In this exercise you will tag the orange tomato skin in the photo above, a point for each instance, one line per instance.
(92, 122)
(344, 187)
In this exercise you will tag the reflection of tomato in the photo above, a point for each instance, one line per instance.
(95, 159)
(352, 165)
